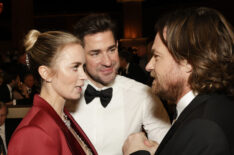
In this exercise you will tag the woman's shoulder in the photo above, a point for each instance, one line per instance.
(38, 119)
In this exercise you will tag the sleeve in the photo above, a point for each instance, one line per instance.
(156, 121)
(141, 152)
(201, 137)
(32, 140)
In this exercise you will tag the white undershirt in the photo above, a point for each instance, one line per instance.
(10, 90)
(127, 68)
(2, 134)
(184, 102)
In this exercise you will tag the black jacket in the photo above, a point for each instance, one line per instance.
(205, 127)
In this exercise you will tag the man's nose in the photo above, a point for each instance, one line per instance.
(150, 65)
(106, 60)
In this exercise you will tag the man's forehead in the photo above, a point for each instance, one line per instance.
(157, 44)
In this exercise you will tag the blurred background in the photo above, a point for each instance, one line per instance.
(135, 18)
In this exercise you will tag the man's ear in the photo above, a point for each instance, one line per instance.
(45, 73)
(187, 67)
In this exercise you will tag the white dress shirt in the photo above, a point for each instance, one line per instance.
(10, 90)
(2, 134)
(127, 67)
(129, 109)
(184, 102)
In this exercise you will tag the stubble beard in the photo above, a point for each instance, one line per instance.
(168, 89)
(98, 79)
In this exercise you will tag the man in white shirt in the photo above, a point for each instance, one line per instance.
(126, 106)
(192, 66)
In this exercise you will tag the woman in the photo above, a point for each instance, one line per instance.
(56, 60)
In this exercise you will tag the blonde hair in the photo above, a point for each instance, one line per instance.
(42, 48)
(30, 39)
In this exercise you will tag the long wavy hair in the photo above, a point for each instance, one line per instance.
(204, 38)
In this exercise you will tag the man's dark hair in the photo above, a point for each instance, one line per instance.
(94, 23)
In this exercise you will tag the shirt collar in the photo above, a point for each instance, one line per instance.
(103, 88)
(9, 87)
(2, 127)
(127, 68)
(185, 101)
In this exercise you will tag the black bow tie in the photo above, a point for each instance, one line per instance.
(105, 95)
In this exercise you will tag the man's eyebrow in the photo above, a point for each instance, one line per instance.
(95, 50)
(113, 46)
(154, 51)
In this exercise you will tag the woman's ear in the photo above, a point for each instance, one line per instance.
(45, 73)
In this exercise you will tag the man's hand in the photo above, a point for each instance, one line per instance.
(138, 141)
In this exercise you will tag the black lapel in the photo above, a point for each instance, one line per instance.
(7, 133)
(187, 111)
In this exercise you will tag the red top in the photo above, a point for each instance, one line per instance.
(42, 131)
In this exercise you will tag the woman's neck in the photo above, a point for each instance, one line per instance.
(56, 102)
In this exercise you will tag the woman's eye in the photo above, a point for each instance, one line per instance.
(75, 68)
(156, 57)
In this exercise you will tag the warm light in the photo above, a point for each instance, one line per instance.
(1, 7)
(132, 20)
(131, 32)
(123, 1)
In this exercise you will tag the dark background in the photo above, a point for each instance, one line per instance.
(62, 14)
(151, 9)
